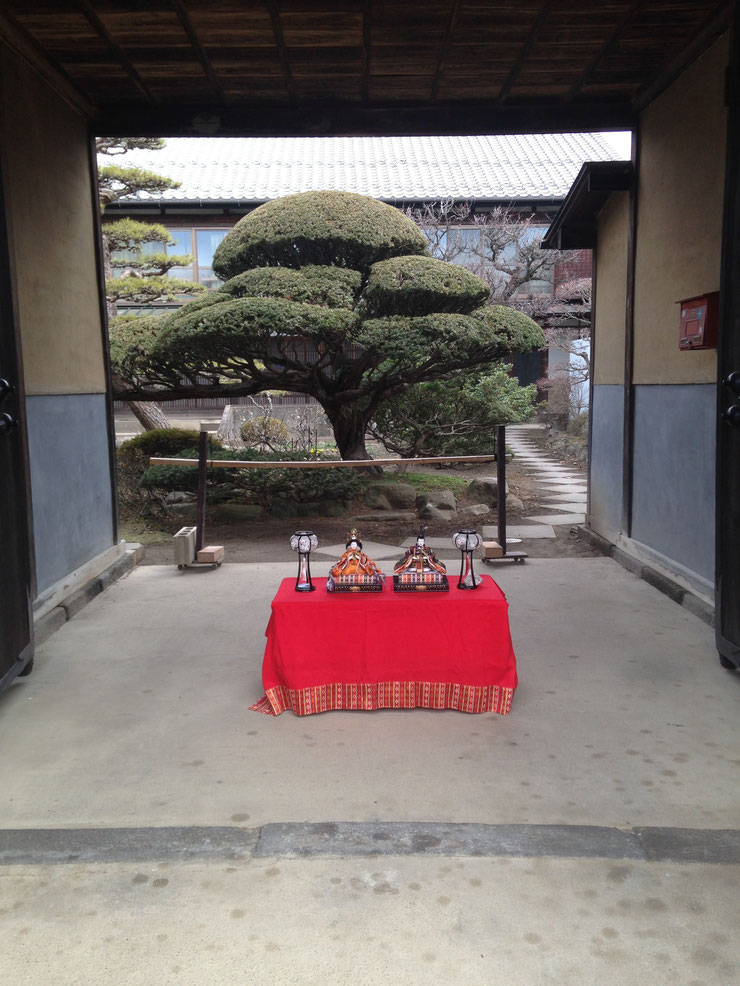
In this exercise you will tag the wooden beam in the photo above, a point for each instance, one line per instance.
(628, 422)
(277, 28)
(90, 13)
(355, 119)
(26, 47)
(187, 26)
(366, 49)
(616, 34)
(524, 53)
(444, 49)
(321, 464)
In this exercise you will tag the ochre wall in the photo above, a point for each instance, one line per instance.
(50, 209)
(680, 195)
(611, 273)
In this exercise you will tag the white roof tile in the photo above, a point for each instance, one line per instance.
(254, 169)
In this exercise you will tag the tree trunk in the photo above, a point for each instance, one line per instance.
(149, 415)
(349, 427)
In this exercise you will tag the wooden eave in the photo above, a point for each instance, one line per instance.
(574, 227)
(353, 67)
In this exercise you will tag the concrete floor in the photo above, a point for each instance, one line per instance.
(136, 718)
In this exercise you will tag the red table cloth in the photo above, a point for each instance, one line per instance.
(388, 650)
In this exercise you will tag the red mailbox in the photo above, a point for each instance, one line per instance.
(699, 322)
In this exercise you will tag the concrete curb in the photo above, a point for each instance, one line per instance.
(77, 600)
(658, 580)
(343, 840)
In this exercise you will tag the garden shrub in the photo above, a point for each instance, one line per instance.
(452, 417)
(264, 431)
(262, 486)
(133, 461)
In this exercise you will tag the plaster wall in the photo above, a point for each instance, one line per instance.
(611, 272)
(674, 457)
(50, 210)
(70, 482)
(680, 200)
(605, 461)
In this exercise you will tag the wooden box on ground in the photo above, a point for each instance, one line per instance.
(211, 554)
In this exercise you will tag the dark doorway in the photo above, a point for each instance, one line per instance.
(16, 577)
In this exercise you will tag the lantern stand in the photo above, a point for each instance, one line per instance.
(467, 541)
(303, 542)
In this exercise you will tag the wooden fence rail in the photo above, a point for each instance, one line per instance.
(322, 463)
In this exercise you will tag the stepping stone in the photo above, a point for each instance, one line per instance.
(565, 507)
(567, 502)
(371, 548)
(559, 519)
(525, 532)
(565, 488)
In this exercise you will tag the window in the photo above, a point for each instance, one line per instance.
(199, 244)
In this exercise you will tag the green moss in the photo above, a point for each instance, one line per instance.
(339, 229)
(421, 285)
(335, 287)
(426, 483)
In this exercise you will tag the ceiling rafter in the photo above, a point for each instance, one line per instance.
(707, 32)
(523, 54)
(187, 26)
(616, 34)
(277, 28)
(444, 48)
(89, 12)
(366, 43)
(27, 48)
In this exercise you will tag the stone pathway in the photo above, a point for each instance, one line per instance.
(566, 497)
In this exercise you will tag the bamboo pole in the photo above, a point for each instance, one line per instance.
(321, 464)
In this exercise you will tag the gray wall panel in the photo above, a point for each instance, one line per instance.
(673, 496)
(605, 476)
(70, 482)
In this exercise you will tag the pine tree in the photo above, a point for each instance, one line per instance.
(143, 275)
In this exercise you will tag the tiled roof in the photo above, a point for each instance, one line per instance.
(254, 169)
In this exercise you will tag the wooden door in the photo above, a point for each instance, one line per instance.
(728, 426)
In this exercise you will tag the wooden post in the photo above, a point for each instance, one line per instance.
(201, 507)
(501, 487)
